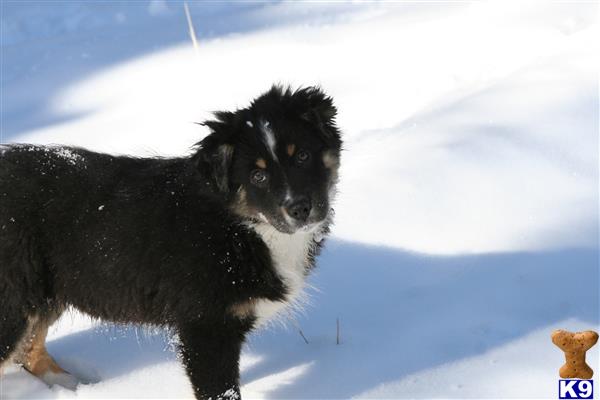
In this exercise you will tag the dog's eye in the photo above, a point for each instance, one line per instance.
(259, 177)
(302, 157)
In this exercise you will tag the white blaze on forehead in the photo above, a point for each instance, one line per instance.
(250, 124)
(269, 138)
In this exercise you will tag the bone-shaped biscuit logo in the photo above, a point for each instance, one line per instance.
(574, 346)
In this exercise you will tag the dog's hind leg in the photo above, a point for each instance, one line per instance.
(35, 358)
(12, 330)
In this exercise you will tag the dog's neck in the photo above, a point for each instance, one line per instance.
(292, 258)
(284, 245)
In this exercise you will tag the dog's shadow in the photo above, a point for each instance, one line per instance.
(401, 313)
(109, 351)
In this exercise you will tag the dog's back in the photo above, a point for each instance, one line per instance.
(71, 218)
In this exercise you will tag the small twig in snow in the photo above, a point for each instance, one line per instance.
(297, 325)
(303, 337)
(337, 336)
(191, 27)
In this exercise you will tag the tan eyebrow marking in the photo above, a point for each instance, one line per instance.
(330, 160)
(261, 163)
(290, 149)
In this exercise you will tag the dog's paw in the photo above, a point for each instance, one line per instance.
(63, 379)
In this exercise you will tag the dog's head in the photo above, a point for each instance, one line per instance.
(277, 160)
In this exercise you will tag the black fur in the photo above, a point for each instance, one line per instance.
(162, 241)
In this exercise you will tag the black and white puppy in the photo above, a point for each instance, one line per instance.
(210, 245)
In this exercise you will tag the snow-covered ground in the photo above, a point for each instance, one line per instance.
(467, 220)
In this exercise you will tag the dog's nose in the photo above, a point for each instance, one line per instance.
(299, 209)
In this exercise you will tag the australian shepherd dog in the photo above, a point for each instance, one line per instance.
(210, 245)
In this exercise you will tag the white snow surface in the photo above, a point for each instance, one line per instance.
(467, 214)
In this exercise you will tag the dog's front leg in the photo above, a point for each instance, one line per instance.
(211, 353)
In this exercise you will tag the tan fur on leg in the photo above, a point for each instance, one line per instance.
(35, 357)
(31, 353)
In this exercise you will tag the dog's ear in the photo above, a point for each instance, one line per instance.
(215, 152)
(319, 110)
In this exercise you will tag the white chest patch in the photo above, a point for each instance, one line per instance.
(290, 260)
